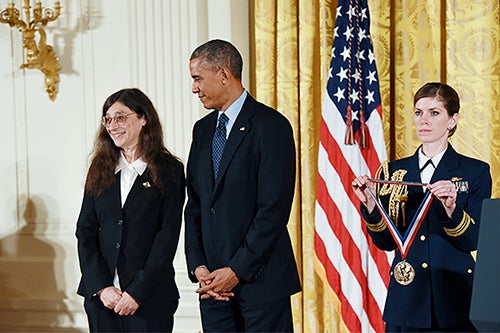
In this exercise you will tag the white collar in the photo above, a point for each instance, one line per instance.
(435, 159)
(138, 165)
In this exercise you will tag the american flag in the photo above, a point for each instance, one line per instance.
(351, 144)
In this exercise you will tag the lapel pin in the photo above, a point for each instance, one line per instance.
(146, 184)
(242, 129)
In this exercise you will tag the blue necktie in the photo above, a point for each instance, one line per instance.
(218, 143)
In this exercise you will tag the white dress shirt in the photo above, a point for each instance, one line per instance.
(129, 173)
(428, 171)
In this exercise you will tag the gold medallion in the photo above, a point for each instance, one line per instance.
(404, 273)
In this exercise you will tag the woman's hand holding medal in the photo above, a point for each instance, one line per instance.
(446, 192)
(361, 186)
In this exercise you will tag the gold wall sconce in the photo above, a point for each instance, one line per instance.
(38, 55)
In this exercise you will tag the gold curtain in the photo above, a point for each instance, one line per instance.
(415, 41)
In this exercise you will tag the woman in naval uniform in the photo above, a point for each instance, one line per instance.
(428, 211)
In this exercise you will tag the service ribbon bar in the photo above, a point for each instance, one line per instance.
(405, 242)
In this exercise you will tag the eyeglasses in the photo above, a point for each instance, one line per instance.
(120, 119)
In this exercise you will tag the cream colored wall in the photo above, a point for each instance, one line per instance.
(102, 46)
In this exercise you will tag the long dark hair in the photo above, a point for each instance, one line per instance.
(150, 147)
(446, 94)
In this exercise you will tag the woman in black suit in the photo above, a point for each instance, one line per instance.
(431, 278)
(130, 219)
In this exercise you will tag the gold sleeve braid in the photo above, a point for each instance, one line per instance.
(378, 227)
(461, 227)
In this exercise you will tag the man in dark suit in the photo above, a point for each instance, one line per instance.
(240, 181)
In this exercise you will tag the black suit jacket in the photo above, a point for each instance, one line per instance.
(240, 219)
(440, 254)
(140, 239)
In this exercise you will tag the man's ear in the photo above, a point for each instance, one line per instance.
(225, 74)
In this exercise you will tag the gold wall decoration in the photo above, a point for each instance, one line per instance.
(37, 55)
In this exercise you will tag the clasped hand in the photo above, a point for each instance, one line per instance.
(120, 302)
(217, 284)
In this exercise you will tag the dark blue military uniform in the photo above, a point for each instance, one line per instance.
(440, 293)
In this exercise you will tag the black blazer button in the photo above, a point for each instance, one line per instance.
(212, 211)
(119, 222)
(117, 246)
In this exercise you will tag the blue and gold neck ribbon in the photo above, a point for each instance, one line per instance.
(405, 242)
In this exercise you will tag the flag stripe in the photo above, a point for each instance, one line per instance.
(351, 217)
(349, 250)
(372, 156)
(355, 270)
(336, 157)
(333, 277)
(352, 233)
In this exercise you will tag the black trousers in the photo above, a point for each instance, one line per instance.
(151, 317)
(390, 328)
(238, 316)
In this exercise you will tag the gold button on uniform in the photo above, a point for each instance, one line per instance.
(424, 265)
(422, 237)
(469, 271)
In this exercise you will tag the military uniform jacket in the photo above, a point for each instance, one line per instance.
(441, 252)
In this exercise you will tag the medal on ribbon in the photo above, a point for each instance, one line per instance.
(404, 273)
